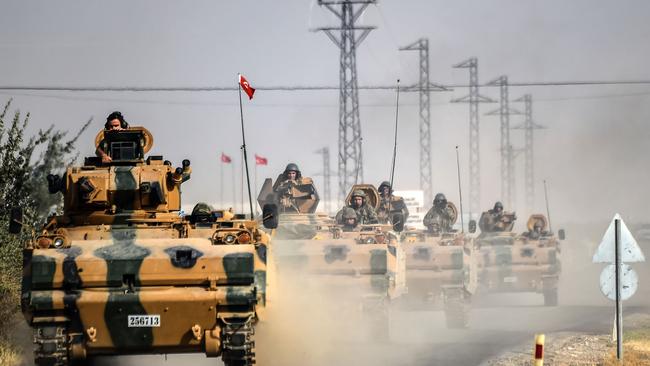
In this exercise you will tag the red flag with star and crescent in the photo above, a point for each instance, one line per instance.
(246, 86)
(260, 160)
(225, 158)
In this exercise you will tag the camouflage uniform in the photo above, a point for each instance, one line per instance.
(496, 220)
(282, 188)
(440, 216)
(365, 213)
(390, 204)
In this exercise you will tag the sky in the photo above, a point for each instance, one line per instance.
(593, 152)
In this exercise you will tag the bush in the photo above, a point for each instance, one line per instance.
(23, 184)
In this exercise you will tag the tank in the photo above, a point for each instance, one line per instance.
(526, 262)
(360, 269)
(441, 271)
(122, 272)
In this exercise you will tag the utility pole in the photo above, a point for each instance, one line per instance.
(473, 98)
(507, 158)
(350, 165)
(529, 126)
(327, 193)
(425, 87)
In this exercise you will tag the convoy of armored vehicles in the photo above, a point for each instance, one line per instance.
(121, 271)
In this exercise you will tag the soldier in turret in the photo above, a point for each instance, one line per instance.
(390, 204)
(283, 187)
(365, 213)
(440, 217)
(496, 219)
(114, 122)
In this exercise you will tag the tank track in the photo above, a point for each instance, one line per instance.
(238, 345)
(51, 344)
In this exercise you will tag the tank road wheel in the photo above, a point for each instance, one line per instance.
(51, 344)
(550, 297)
(238, 344)
(456, 304)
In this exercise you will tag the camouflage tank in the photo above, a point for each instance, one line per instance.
(364, 267)
(121, 272)
(441, 269)
(527, 262)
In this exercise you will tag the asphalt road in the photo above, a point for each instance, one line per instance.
(420, 338)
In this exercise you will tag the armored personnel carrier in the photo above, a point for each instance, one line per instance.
(441, 269)
(528, 262)
(121, 272)
(360, 268)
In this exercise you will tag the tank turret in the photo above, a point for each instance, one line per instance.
(127, 188)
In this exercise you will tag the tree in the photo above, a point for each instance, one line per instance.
(23, 184)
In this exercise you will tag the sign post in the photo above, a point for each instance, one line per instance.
(618, 281)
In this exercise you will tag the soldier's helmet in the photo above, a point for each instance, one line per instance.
(359, 193)
(440, 200)
(498, 207)
(384, 184)
(349, 213)
(292, 167)
(201, 212)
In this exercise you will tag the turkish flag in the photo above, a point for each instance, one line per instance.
(246, 86)
(225, 158)
(259, 160)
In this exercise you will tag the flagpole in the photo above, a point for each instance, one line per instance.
(243, 139)
(241, 179)
(255, 182)
(221, 183)
(234, 187)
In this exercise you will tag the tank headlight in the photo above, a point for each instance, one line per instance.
(230, 239)
(244, 238)
(58, 243)
(370, 240)
(44, 242)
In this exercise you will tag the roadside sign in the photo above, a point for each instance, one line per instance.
(630, 250)
(629, 282)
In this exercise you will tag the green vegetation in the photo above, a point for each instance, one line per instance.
(23, 184)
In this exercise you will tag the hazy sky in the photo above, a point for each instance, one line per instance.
(593, 154)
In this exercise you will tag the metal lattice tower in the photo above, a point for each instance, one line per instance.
(327, 192)
(350, 37)
(473, 98)
(425, 87)
(507, 156)
(529, 126)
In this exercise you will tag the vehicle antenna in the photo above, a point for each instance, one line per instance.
(460, 193)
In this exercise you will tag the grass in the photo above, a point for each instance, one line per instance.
(636, 348)
(9, 354)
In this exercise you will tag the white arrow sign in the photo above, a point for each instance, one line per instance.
(629, 248)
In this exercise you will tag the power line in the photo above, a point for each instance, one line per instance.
(308, 87)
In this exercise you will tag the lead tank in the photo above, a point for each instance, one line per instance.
(121, 272)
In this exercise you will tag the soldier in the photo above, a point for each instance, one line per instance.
(365, 213)
(114, 122)
(496, 219)
(282, 187)
(201, 213)
(349, 219)
(440, 217)
(390, 204)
